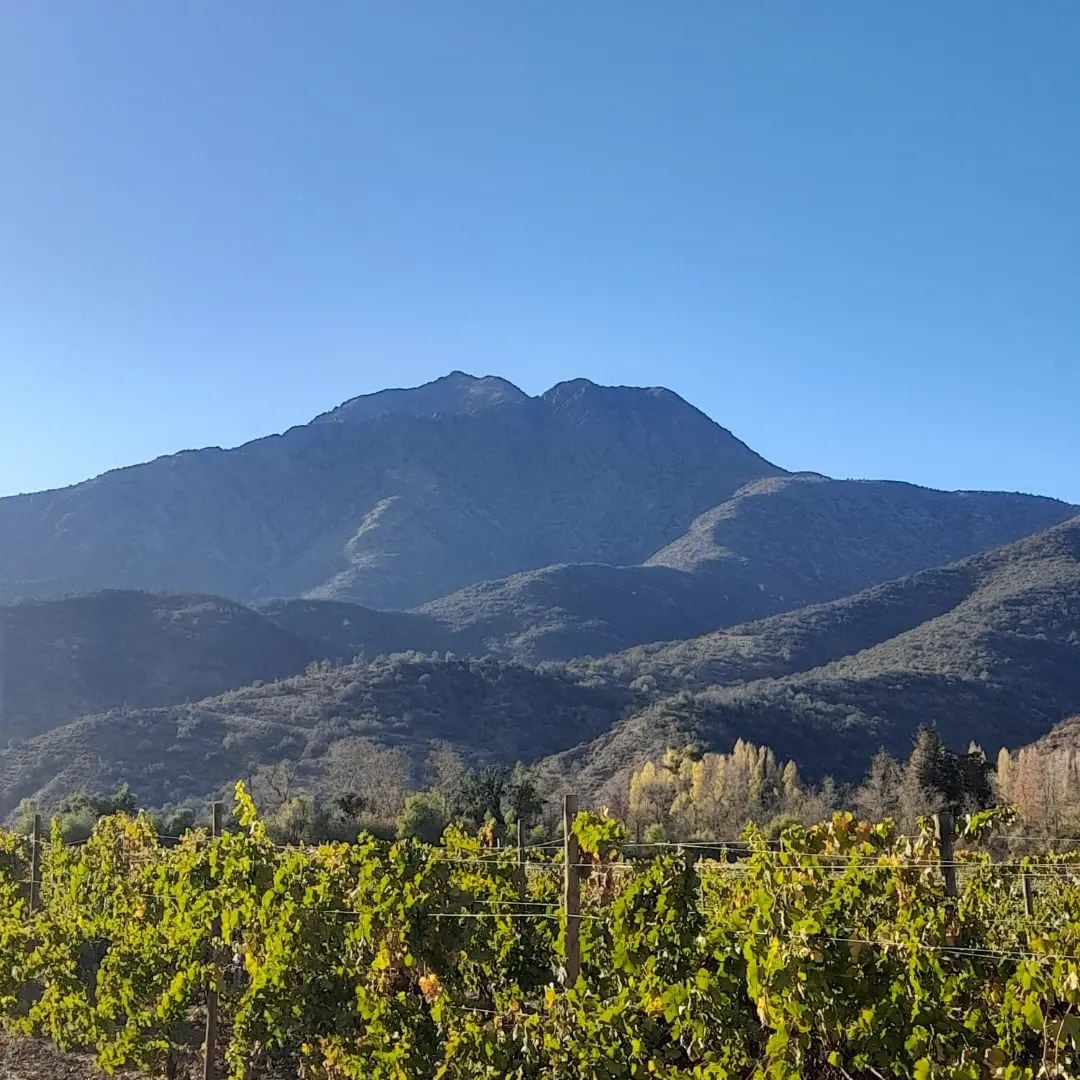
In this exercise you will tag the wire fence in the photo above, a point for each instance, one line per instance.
(552, 924)
(715, 860)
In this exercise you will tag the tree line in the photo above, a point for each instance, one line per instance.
(687, 795)
(683, 795)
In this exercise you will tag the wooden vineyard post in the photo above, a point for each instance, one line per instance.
(1029, 895)
(520, 859)
(943, 830)
(571, 891)
(35, 865)
(210, 1043)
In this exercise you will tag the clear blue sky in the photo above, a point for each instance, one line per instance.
(849, 231)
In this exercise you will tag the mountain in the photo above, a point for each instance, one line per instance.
(65, 657)
(116, 649)
(334, 630)
(184, 752)
(777, 544)
(796, 641)
(581, 609)
(987, 649)
(664, 581)
(453, 393)
(807, 538)
(391, 500)
(1063, 736)
(404, 498)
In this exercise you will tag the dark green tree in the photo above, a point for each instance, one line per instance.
(422, 818)
(521, 797)
(936, 778)
(481, 799)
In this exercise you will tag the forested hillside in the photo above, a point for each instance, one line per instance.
(1000, 664)
(117, 649)
(577, 580)
(985, 649)
(487, 710)
(335, 629)
(777, 545)
(81, 654)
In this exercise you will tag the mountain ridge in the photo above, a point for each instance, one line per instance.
(406, 701)
(456, 392)
(389, 512)
(996, 659)
(798, 545)
(609, 557)
(65, 657)
(988, 648)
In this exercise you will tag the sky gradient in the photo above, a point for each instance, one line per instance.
(850, 232)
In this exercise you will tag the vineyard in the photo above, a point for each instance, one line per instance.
(841, 951)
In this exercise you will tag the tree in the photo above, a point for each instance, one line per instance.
(423, 817)
(1003, 776)
(713, 796)
(81, 811)
(923, 781)
(446, 773)
(936, 777)
(1044, 785)
(298, 820)
(271, 786)
(482, 791)
(973, 789)
(818, 803)
(368, 779)
(652, 791)
(121, 801)
(790, 786)
(879, 796)
(522, 799)
(174, 823)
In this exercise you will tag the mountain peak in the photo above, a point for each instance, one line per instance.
(458, 392)
(575, 392)
(462, 393)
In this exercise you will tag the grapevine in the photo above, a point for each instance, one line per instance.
(834, 953)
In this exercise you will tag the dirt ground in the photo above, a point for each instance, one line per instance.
(35, 1059)
(31, 1059)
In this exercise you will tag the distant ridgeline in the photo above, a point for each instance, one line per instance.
(578, 581)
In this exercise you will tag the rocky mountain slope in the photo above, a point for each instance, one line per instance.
(778, 544)
(389, 501)
(118, 649)
(485, 709)
(62, 658)
(987, 649)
